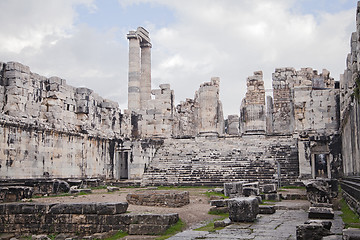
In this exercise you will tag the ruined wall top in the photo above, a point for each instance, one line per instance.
(29, 98)
(255, 89)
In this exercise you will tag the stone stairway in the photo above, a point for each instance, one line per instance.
(215, 161)
(351, 185)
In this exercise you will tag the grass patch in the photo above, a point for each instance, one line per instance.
(209, 194)
(119, 234)
(218, 213)
(171, 231)
(265, 203)
(348, 216)
(83, 193)
(210, 226)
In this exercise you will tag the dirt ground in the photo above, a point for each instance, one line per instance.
(192, 214)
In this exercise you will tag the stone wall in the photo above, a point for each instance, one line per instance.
(158, 113)
(84, 218)
(350, 120)
(53, 130)
(350, 107)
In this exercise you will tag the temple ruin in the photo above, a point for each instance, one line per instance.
(53, 130)
(307, 128)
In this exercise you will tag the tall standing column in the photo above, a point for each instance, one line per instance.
(145, 82)
(134, 102)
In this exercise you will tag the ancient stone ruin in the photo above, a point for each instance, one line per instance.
(308, 128)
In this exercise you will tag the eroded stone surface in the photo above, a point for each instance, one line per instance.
(159, 198)
(243, 209)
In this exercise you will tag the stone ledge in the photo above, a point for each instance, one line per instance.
(80, 217)
(159, 198)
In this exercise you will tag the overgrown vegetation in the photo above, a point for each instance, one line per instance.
(209, 194)
(210, 226)
(171, 231)
(218, 213)
(350, 218)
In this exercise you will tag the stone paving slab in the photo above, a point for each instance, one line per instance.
(278, 226)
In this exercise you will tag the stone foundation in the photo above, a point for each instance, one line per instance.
(15, 193)
(84, 218)
(159, 198)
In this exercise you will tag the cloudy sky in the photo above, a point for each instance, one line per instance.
(84, 41)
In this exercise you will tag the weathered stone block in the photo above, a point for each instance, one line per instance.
(313, 231)
(250, 191)
(159, 198)
(269, 188)
(78, 190)
(66, 208)
(326, 224)
(243, 209)
(160, 219)
(112, 189)
(219, 209)
(318, 191)
(333, 237)
(234, 189)
(351, 234)
(60, 186)
(111, 208)
(321, 213)
(147, 229)
(266, 209)
(271, 197)
(218, 203)
(222, 223)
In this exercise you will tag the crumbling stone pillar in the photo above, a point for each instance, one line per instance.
(145, 83)
(252, 110)
(134, 72)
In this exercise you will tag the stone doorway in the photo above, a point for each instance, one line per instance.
(123, 158)
(320, 165)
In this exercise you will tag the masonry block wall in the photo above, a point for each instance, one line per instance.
(350, 107)
(84, 218)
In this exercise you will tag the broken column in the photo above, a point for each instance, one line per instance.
(145, 80)
(252, 112)
(139, 89)
(210, 115)
(134, 72)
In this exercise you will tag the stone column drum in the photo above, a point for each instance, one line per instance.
(134, 72)
(145, 82)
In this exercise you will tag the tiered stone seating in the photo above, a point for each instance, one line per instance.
(213, 162)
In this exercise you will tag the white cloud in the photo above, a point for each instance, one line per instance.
(230, 39)
(233, 39)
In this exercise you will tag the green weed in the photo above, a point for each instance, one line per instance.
(171, 231)
(350, 218)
